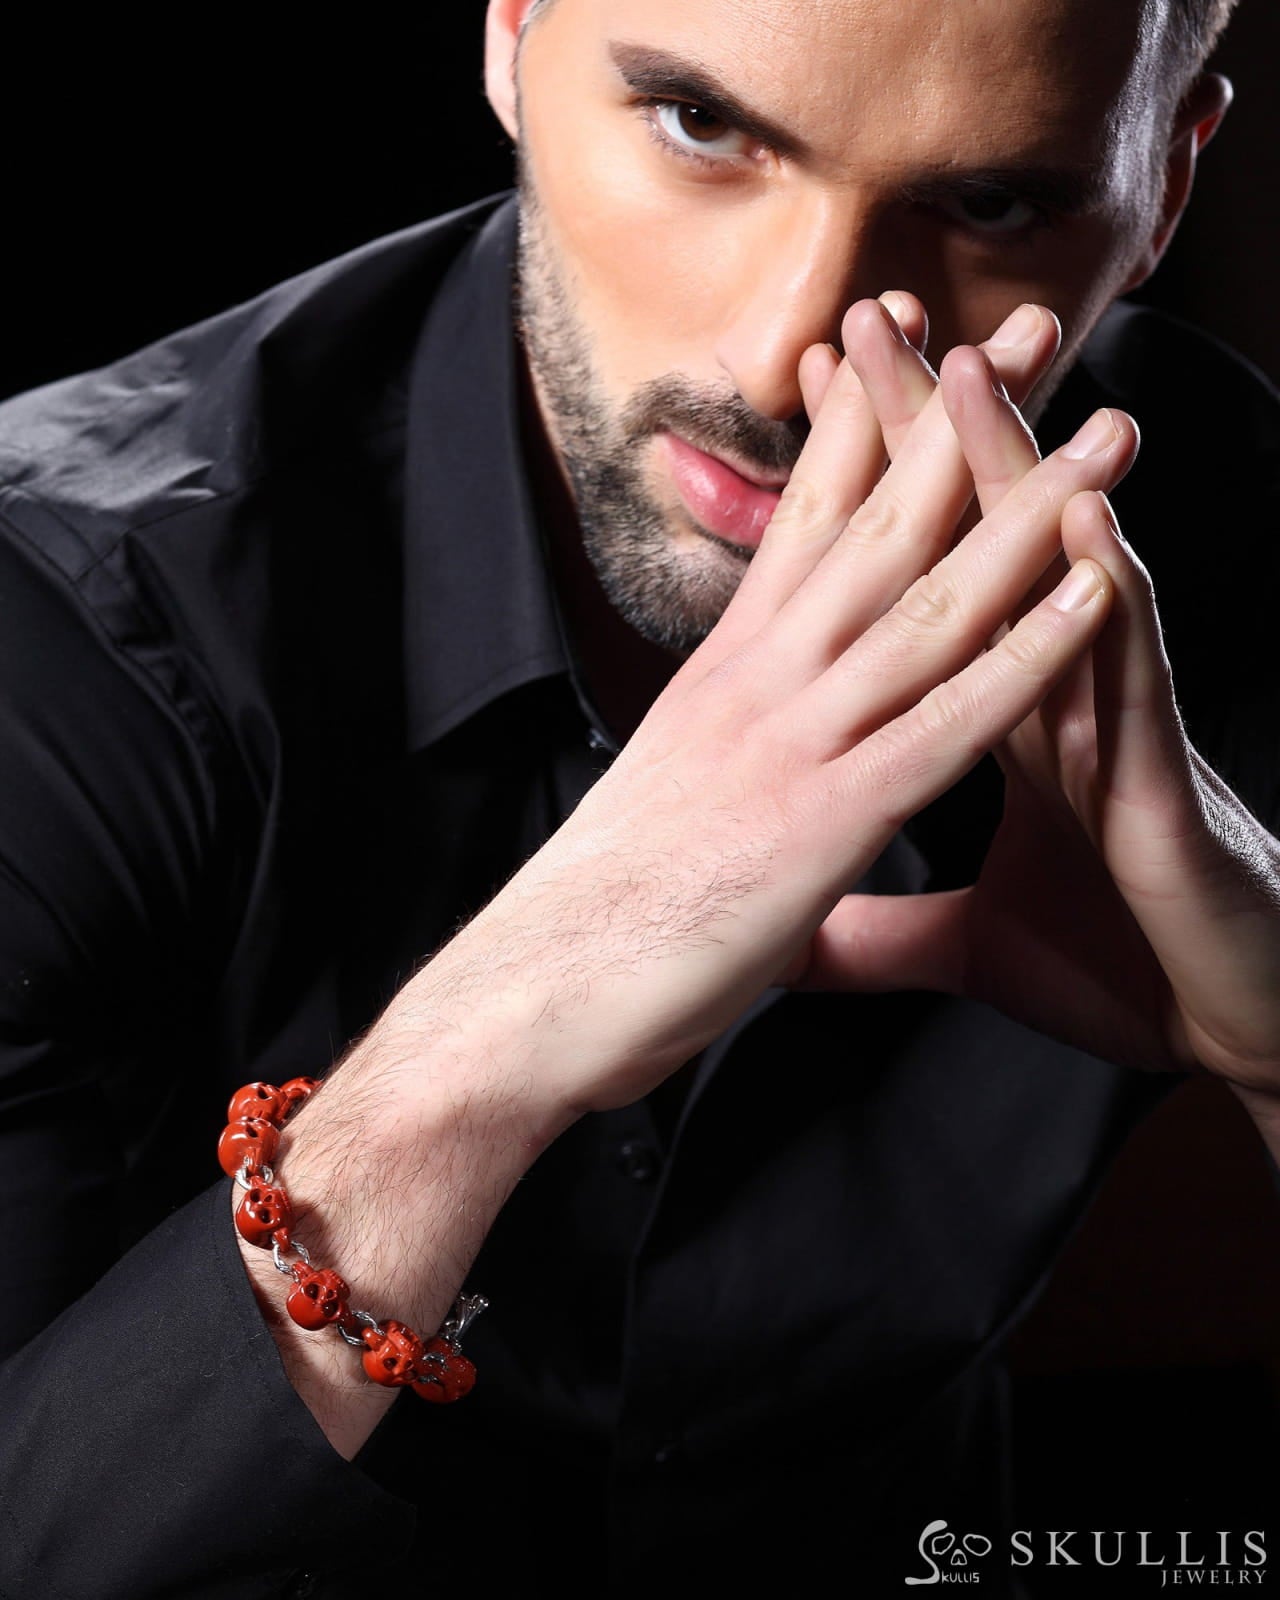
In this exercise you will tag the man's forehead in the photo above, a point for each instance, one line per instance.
(924, 76)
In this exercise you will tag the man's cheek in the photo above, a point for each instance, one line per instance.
(1075, 270)
(644, 311)
(639, 242)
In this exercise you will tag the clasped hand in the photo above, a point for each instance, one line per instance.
(1130, 903)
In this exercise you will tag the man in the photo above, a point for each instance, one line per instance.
(326, 618)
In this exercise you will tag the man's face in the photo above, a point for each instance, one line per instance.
(706, 185)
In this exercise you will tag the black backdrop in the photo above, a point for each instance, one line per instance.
(153, 178)
(154, 174)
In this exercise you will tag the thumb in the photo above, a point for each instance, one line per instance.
(872, 943)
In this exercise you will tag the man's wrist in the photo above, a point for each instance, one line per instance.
(396, 1168)
(396, 1176)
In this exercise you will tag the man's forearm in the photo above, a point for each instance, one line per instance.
(397, 1168)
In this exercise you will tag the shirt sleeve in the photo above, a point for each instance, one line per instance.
(150, 1441)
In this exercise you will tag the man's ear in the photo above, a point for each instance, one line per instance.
(1196, 122)
(502, 27)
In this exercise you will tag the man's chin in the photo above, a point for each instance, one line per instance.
(673, 589)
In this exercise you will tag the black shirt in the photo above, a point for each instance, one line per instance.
(287, 698)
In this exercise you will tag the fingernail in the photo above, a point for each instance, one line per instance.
(1078, 587)
(996, 382)
(890, 321)
(1017, 328)
(835, 354)
(1112, 521)
(1099, 432)
(895, 305)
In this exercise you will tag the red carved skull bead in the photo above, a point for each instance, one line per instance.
(258, 1100)
(391, 1359)
(263, 1211)
(318, 1299)
(254, 1137)
(445, 1374)
(296, 1091)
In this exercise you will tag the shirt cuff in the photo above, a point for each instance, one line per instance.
(154, 1443)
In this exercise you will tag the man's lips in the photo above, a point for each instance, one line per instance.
(717, 496)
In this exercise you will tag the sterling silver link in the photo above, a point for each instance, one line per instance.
(369, 1320)
(284, 1266)
(466, 1308)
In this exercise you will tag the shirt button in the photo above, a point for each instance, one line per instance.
(638, 1161)
(596, 740)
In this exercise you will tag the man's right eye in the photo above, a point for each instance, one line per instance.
(696, 132)
(992, 212)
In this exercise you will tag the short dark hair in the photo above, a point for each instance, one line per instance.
(1194, 26)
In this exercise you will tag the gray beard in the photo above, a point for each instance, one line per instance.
(672, 596)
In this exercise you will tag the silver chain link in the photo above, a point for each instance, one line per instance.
(369, 1320)
(466, 1308)
(248, 1176)
(277, 1255)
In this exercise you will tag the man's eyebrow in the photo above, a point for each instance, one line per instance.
(1066, 190)
(667, 77)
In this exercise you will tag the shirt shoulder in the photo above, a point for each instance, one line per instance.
(214, 408)
(165, 495)
(1187, 383)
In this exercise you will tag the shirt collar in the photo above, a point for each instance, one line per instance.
(479, 610)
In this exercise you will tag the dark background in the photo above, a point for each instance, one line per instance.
(155, 176)
(154, 179)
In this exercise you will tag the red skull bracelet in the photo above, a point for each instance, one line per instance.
(393, 1354)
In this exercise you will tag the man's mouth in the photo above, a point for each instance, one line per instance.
(730, 499)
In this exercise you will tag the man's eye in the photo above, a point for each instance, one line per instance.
(992, 213)
(697, 131)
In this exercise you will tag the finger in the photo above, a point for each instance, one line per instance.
(914, 758)
(1041, 752)
(950, 614)
(1141, 747)
(845, 452)
(1001, 450)
(896, 378)
(1055, 752)
(876, 943)
(999, 447)
(1030, 752)
(818, 366)
(909, 313)
(1023, 348)
(997, 444)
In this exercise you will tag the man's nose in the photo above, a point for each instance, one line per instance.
(802, 266)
